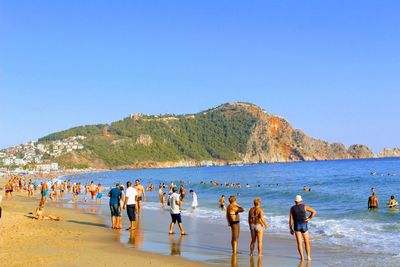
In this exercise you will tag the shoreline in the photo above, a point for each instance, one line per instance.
(198, 164)
(79, 239)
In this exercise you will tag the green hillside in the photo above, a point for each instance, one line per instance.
(220, 133)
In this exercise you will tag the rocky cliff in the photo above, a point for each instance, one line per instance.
(273, 139)
(389, 153)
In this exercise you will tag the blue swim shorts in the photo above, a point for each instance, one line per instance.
(300, 227)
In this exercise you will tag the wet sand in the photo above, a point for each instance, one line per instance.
(80, 239)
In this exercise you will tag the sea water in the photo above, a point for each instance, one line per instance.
(339, 193)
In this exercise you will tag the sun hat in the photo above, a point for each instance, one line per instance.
(298, 198)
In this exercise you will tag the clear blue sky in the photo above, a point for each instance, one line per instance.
(332, 68)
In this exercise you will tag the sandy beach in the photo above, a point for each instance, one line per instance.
(79, 239)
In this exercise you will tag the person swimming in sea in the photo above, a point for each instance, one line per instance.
(373, 201)
(306, 189)
(392, 202)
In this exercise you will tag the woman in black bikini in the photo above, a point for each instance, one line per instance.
(232, 216)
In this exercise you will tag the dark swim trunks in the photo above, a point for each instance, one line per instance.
(176, 218)
(300, 227)
(131, 211)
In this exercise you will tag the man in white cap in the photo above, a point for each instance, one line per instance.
(298, 225)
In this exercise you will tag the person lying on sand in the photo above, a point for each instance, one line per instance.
(40, 215)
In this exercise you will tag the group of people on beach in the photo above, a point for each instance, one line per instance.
(134, 195)
(298, 224)
(130, 199)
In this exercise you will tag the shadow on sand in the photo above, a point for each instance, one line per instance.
(89, 223)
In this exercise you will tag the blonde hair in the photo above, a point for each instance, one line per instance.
(232, 199)
(257, 201)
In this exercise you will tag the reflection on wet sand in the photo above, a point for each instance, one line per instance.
(234, 262)
(136, 236)
(259, 261)
(176, 245)
(93, 209)
(304, 264)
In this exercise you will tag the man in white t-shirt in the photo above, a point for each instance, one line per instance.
(131, 196)
(175, 206)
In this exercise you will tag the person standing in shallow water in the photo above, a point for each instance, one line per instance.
(175, 209)
(256, 223)
(373, 201)
(141, 196)
(130, 204)
(298, 225)
(194, 199)
(232, 216)
(115, 195)
(222, 203)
